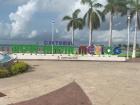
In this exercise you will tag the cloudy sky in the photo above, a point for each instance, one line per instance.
(30, 21)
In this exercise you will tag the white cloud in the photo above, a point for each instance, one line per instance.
(5, 30)
(18, 2)
(21, 17)
(84, 8)
(55, 5)
(77, 5)
(119, 36)
(33, 34)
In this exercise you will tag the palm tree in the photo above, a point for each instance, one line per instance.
(113, 7)
(135, 10)
(93, 16)
(74, 22)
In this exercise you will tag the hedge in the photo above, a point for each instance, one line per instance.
(14, 69)
(4, 73)
(18, 68)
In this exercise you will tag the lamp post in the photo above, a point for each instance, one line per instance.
(52, 22)
(128, 40)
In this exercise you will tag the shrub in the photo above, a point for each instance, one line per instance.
(18, 67)
(4, 73)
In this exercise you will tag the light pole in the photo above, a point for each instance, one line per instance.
(52, 22)
(128, 40)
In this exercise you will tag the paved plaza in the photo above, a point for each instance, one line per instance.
(106, 83)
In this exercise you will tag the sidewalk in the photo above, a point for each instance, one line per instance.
(106, 83)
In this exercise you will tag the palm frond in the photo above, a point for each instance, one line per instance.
(116, 6)
(97, 5)
(138, 21)
(76, 13)
(123, 10)
(101, 15)
(74, 21)
(95, 20)
(132, 14)
(85, 1)
(85, 18)
(134, 7)
(70, 24)
(93, 16)
(66, 18)
(138, 6)
(78, 23)
(108, 8)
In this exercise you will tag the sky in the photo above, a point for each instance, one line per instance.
(30, 21)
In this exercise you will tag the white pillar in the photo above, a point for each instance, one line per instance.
(110, 34)
(128, 40)
(135, 37)
(52, 34)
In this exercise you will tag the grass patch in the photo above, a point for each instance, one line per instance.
(14, 69)
(4, 73)
(124, 54)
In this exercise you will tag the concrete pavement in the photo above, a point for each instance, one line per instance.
(106, 83)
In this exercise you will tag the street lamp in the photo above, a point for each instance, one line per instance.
(128, 40)
(52, 22)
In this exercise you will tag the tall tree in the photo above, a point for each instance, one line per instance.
(114, 7)
(135, 13)
(74, 22)
(93, 16)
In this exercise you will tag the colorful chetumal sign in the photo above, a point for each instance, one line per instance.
(61, 47)
(69, 43)
(99, 50)
(66, 51)
(66, 48)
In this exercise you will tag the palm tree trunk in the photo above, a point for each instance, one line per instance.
(128, 37)
(72, 34)
(90, 32)
(111, 22)
(135, 37)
